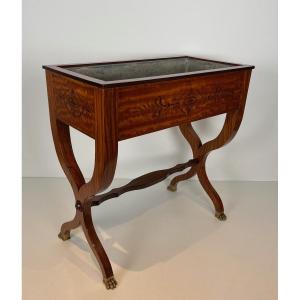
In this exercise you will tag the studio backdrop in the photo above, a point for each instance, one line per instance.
(239, 31)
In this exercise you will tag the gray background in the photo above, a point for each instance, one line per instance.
(71, 31)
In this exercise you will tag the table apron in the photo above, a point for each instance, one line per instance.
(150, 107)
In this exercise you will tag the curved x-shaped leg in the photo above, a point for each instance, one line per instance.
(230, 128)
(83, 215)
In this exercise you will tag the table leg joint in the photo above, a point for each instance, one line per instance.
(78, 206)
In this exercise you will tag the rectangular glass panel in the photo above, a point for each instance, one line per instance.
(150, 68)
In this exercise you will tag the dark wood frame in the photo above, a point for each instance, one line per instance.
(113, 111)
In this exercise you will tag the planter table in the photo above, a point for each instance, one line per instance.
(115, 101)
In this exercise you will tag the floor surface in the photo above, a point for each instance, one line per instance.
(162, 245)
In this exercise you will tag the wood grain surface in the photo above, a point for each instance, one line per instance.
(149, 107)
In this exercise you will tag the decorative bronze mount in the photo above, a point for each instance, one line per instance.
(110, 113)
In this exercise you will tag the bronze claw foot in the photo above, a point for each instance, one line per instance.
(221, 216)
(64, 236)
(110, 283)
(172, 187)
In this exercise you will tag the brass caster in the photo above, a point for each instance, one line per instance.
(220, 216)
(172, 187)
(64, 236)
(110, 282)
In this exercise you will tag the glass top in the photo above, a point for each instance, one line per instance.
(146, 68)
